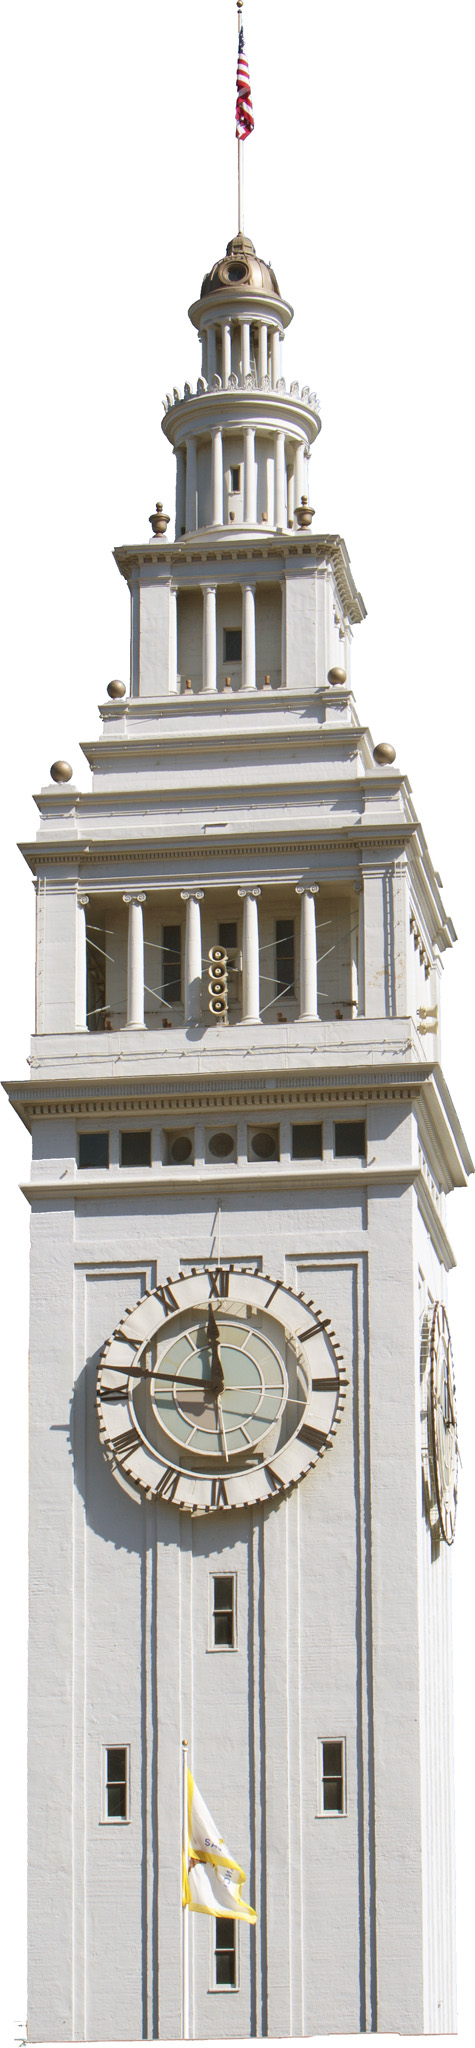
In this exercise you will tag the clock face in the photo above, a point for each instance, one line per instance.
(219, 1389)
(443, 1421)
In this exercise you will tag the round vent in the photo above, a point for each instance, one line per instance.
(180, 1149)
(221, 1145)
(264, 1145)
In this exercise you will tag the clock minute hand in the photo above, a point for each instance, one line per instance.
(216, 1383)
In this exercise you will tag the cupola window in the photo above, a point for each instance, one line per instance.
(232, 643)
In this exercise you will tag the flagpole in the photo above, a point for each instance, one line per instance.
(240, 227)
(185, 1916)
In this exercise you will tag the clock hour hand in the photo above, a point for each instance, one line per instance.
(216, 1383)
(222, 1428)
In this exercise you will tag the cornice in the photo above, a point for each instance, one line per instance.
(107, 1186)
(355, 839)
(177, 1093)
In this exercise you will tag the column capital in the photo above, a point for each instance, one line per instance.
(208, 586)
(249, 892)
(307, 889)
(192, 895)
(137, 896)
(83, 902)
(358, 888)
(249, 583)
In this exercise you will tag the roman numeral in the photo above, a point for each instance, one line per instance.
(166, 1296)
(167, 1486)
(303, 1334)
(114, 1393)
(219, 1283)
(128, 1441)
(315, 1438)
(270, 1298)
(276, 1482)
(326, 1386)
(219, 1498)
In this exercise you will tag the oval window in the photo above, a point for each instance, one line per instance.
(180, 1149)
(236, 272)
(221, 1145)
(264, 1145)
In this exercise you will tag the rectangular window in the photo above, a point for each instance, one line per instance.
(235, 479)
(284, 957)
(223, 1629)
(232, 643)
(116, 1784)
(136, 1148)
(93, 1148)
(350, 1141)
(225, 1956)
(331, 1786)
(227, 936)
(307, 1141)
(171, 956)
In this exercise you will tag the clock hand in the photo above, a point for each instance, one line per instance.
(217, 1374)
(221, 1425)
(142, 1372)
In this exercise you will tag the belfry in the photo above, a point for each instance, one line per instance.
(243, 1434)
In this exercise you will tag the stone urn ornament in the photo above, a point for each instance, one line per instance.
(159, 520)
(304, 513)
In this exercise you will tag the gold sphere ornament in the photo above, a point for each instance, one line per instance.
(116, 689)
(61, 771)
(384, 754)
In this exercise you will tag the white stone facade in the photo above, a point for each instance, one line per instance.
(235, 789)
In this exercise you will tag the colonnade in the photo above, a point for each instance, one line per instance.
(280, 502)
(210, 643)
(217, 346)
(193, 1006)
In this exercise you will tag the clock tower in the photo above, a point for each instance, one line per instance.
(243, 1434)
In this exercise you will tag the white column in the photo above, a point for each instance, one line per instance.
(173, 640)
(270, 489)
(226, 338)
(308, 953)
(192, 954)
(180, 516)
(250, 956)
(279, 459)
(262, 352)
(275, 357)
(209, 636)
(248, 636)
(249, 476)
(245, 347)
(300, 473)
(191, 484)
(217, 476)
(329, 623)
(359, 893)
(135, 966)
(204, 354)
(81, 965)
(211, 353)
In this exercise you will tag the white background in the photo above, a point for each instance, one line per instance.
(119, 186)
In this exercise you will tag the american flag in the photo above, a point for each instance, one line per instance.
(244, 113)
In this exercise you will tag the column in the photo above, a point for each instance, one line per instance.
(209, 636)
(245, 348)
(211, 358)
(308, 952)
(217, 476)
(173, 640)
(262, 352)
(192, 898)
(226, 341)
(204, 354)
(135, 965)
(81, 965)
(180, 515)
(275, 357)
(329, 622)
(299, 473)
(250, 956)
(359, 893)
(279, 459)
(249, 476)
(248, 636)
(191, 485)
